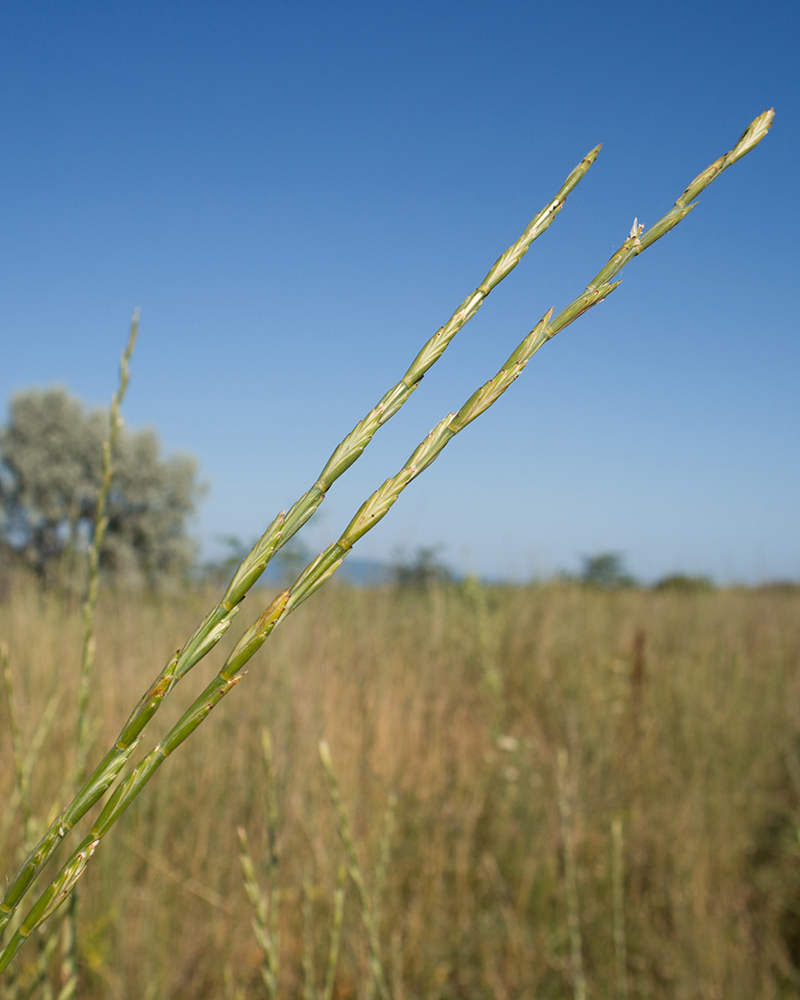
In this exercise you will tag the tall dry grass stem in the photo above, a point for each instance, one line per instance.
(266, 907)
(565, 813)
(85, 731)
(307, 910)
(263, 925)
(20, 798)
(22, 773)
(618, 894)
(93, 557)
(398, 993)
(384, 855)
(491, 675)
(336, 932)
(354, 871)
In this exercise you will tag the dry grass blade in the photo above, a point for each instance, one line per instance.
(24, 761)
(336, 932)
(263, 917)
(354, 870)
(266, 907)
(384, 854)
(22, 788)
(570, 877)
(618, 889)
(307, 908)
(28, 763)
(84, 735)
(98, 534)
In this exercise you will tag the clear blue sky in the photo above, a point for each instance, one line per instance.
(298, 195)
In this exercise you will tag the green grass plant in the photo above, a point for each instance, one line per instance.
(206, 635)
(216, 623)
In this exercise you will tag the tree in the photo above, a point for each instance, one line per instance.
(425, 570)
(50, 461)
(607, 571)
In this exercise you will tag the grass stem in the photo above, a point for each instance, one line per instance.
(336, 932)
(618, 890)
(354, 870)
(565, 809)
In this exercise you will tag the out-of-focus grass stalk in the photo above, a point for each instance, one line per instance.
(265, 921)
(274, 897)
(282, 528)
(69, 934)
(84, 738)
(315, 574)
(618, 892)
(309, 988)
(491, 675)
(336, 932)
(37, 984)
(261, 917)
(384, 853)
(570, 877)
(309, 975)
(28, 763)
(232, 991)
(397, 965)
(354, 870)
(21, 799)
(98, 534)
(21, 772)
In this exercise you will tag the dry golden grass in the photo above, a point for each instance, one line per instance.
(680, 714)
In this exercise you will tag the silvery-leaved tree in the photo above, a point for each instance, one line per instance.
(50, 473)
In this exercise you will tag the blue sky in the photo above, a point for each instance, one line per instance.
(298, 195)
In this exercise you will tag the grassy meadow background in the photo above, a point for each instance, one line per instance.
(679, 712)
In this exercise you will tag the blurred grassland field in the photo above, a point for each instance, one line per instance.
(679, 711)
